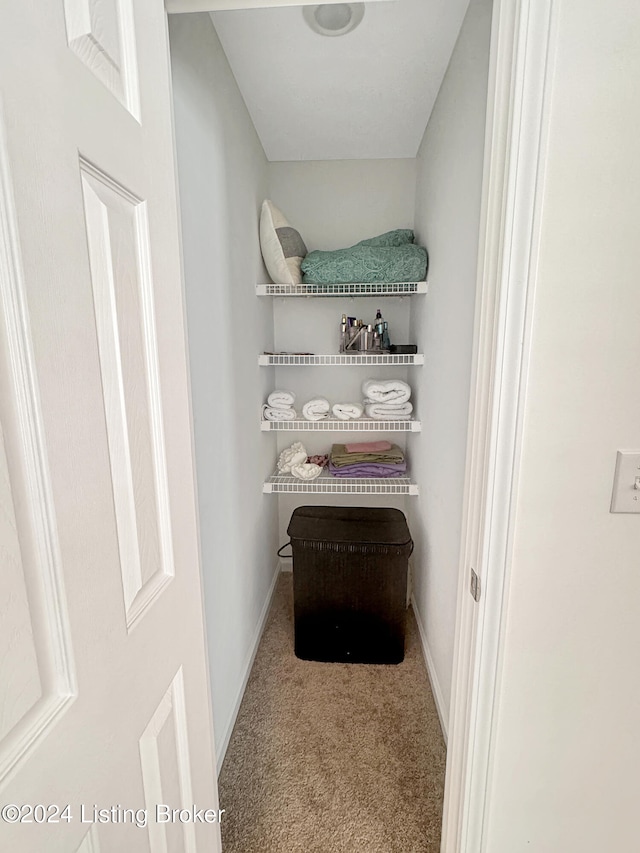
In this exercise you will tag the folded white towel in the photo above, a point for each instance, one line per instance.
(388, 411)
(271, 414)
(316, 409)
(345, 411)
(281, 399)
(386, 391)
(306, 471)
(294, 455)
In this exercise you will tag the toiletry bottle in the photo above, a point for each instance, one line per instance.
(352, 330)
(386, 343)
(343, 333)
(368, 338)
(354, 336)
(378, 325)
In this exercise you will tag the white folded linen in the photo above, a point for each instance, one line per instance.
(306, 471)
(386, 390)
(294, 455)
(346, 411)
(388, 411)
(271, 414)
(316, 409)
(281, 399)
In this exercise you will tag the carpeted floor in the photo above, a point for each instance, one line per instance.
(332, 758)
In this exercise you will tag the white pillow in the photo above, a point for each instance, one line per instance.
(283, 248)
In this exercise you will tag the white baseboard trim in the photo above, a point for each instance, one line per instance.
(443, 713)
(221, 749)
(286, 564)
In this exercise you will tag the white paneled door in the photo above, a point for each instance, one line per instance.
(105, 724)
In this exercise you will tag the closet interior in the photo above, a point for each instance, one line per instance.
(230, 146)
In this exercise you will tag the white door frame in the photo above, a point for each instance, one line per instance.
(522, 48)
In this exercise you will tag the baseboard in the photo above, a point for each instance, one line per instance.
(286, 564)
(221, 750)
(443, 713)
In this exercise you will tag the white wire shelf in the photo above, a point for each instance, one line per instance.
(398, 288)
(326, 484)
(339, 360)
(337, 425)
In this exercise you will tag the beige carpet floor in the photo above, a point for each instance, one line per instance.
(332, 758)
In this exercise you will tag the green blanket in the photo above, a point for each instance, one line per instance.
(390, 257)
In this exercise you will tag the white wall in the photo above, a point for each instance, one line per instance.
(566, 755)
(223, 180)
(447, 215)
(334, 204)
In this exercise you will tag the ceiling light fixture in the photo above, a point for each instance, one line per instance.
(334, 19)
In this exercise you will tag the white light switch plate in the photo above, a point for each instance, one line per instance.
(626, 482)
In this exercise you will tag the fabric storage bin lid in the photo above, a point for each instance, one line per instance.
(353, 525)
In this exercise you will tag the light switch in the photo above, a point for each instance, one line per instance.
(626, 482)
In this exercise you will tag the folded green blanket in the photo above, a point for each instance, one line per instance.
(390, 257)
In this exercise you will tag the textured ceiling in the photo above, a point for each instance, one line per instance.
(367, 94)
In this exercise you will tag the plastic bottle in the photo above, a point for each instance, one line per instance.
(380, 325)
(368, 338)
(352, 331)
(386, 343)
(343, 333)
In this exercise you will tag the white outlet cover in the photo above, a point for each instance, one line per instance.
(626, 497)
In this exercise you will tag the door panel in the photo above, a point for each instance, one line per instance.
(19, 673)
(119, 251)
(166, 771)
(36, 671)
(101, 34)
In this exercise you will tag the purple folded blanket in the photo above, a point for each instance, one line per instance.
(369, 469)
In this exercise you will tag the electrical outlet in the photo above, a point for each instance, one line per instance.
(626, 482)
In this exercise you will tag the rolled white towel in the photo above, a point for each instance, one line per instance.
(347, 411)
(388, 411)
(271, 414)
(294, 455)
(386, 391)
(306, 471)
(316, 409)
(281, 399)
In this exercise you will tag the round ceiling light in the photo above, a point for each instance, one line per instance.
(334, 19)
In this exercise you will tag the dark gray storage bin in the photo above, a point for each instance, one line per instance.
(350, 569)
